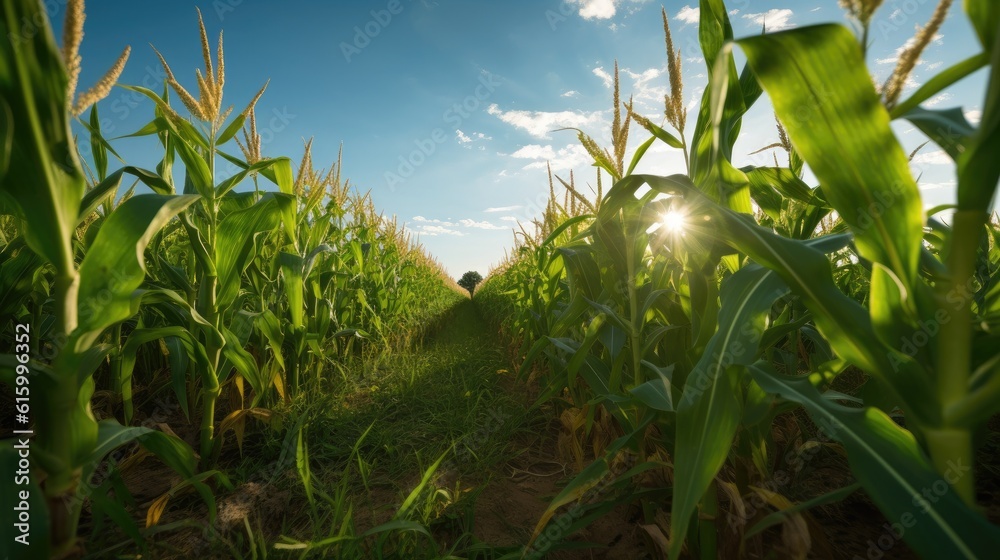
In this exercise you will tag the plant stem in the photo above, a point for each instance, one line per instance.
(951, 445)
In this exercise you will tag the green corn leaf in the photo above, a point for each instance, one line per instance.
(231, 130)
(270, 327)
(807, 271)
(41, 174)
(237, 357)
(639, 152)
(6, 136)
(195, 350)
(302, 464)
(236, 244)
(984, 15)
(939, 82)
(178, 361)
(113, 267)
(181, 129)
(291, 272)
(96, 196)
(16, 274)
(843, 134)
(895, 472)
(657, 132)
(710, 408)
(98, 145)
(198, 174)
(978, 166)
(656, 393)
(228, 184)
(280, 173)
(948, 128)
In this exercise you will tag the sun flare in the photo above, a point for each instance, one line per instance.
(673, 221)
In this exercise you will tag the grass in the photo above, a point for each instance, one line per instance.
(372, 434)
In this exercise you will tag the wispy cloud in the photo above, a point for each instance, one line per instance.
(464, 138)
(540, 123)
(479, 225)
(601, 73)
(938, 99)
(424, 220)
(503, 208)
(433, 231)
(534, 151)
(567, 157)
(937, 157)
(772, 20)
(570, 93)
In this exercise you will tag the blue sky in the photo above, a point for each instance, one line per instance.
(469, 91)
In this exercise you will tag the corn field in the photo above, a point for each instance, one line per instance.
(703, 342)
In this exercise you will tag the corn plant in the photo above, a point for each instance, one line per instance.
(44, 189)
(698, 330)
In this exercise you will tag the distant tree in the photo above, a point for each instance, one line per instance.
(470, 280)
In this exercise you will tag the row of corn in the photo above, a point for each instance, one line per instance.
(233, 300)
(713, 336)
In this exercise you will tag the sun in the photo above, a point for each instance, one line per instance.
(673, 221)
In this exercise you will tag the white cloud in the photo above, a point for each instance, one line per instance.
(570, 93)
(974, 116)
(567, 157)
(534, 151)
(601, 9)
(427, 221)
(479, 225)
(937, 157)
(595, 9)
(938, 99)
(503, 208)
(688, 15)
(508, 218)
(932, 186)
(601, 73)
(432, 231)
(540, 123)
(647, 85)
(464, 138)
(773, 19)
